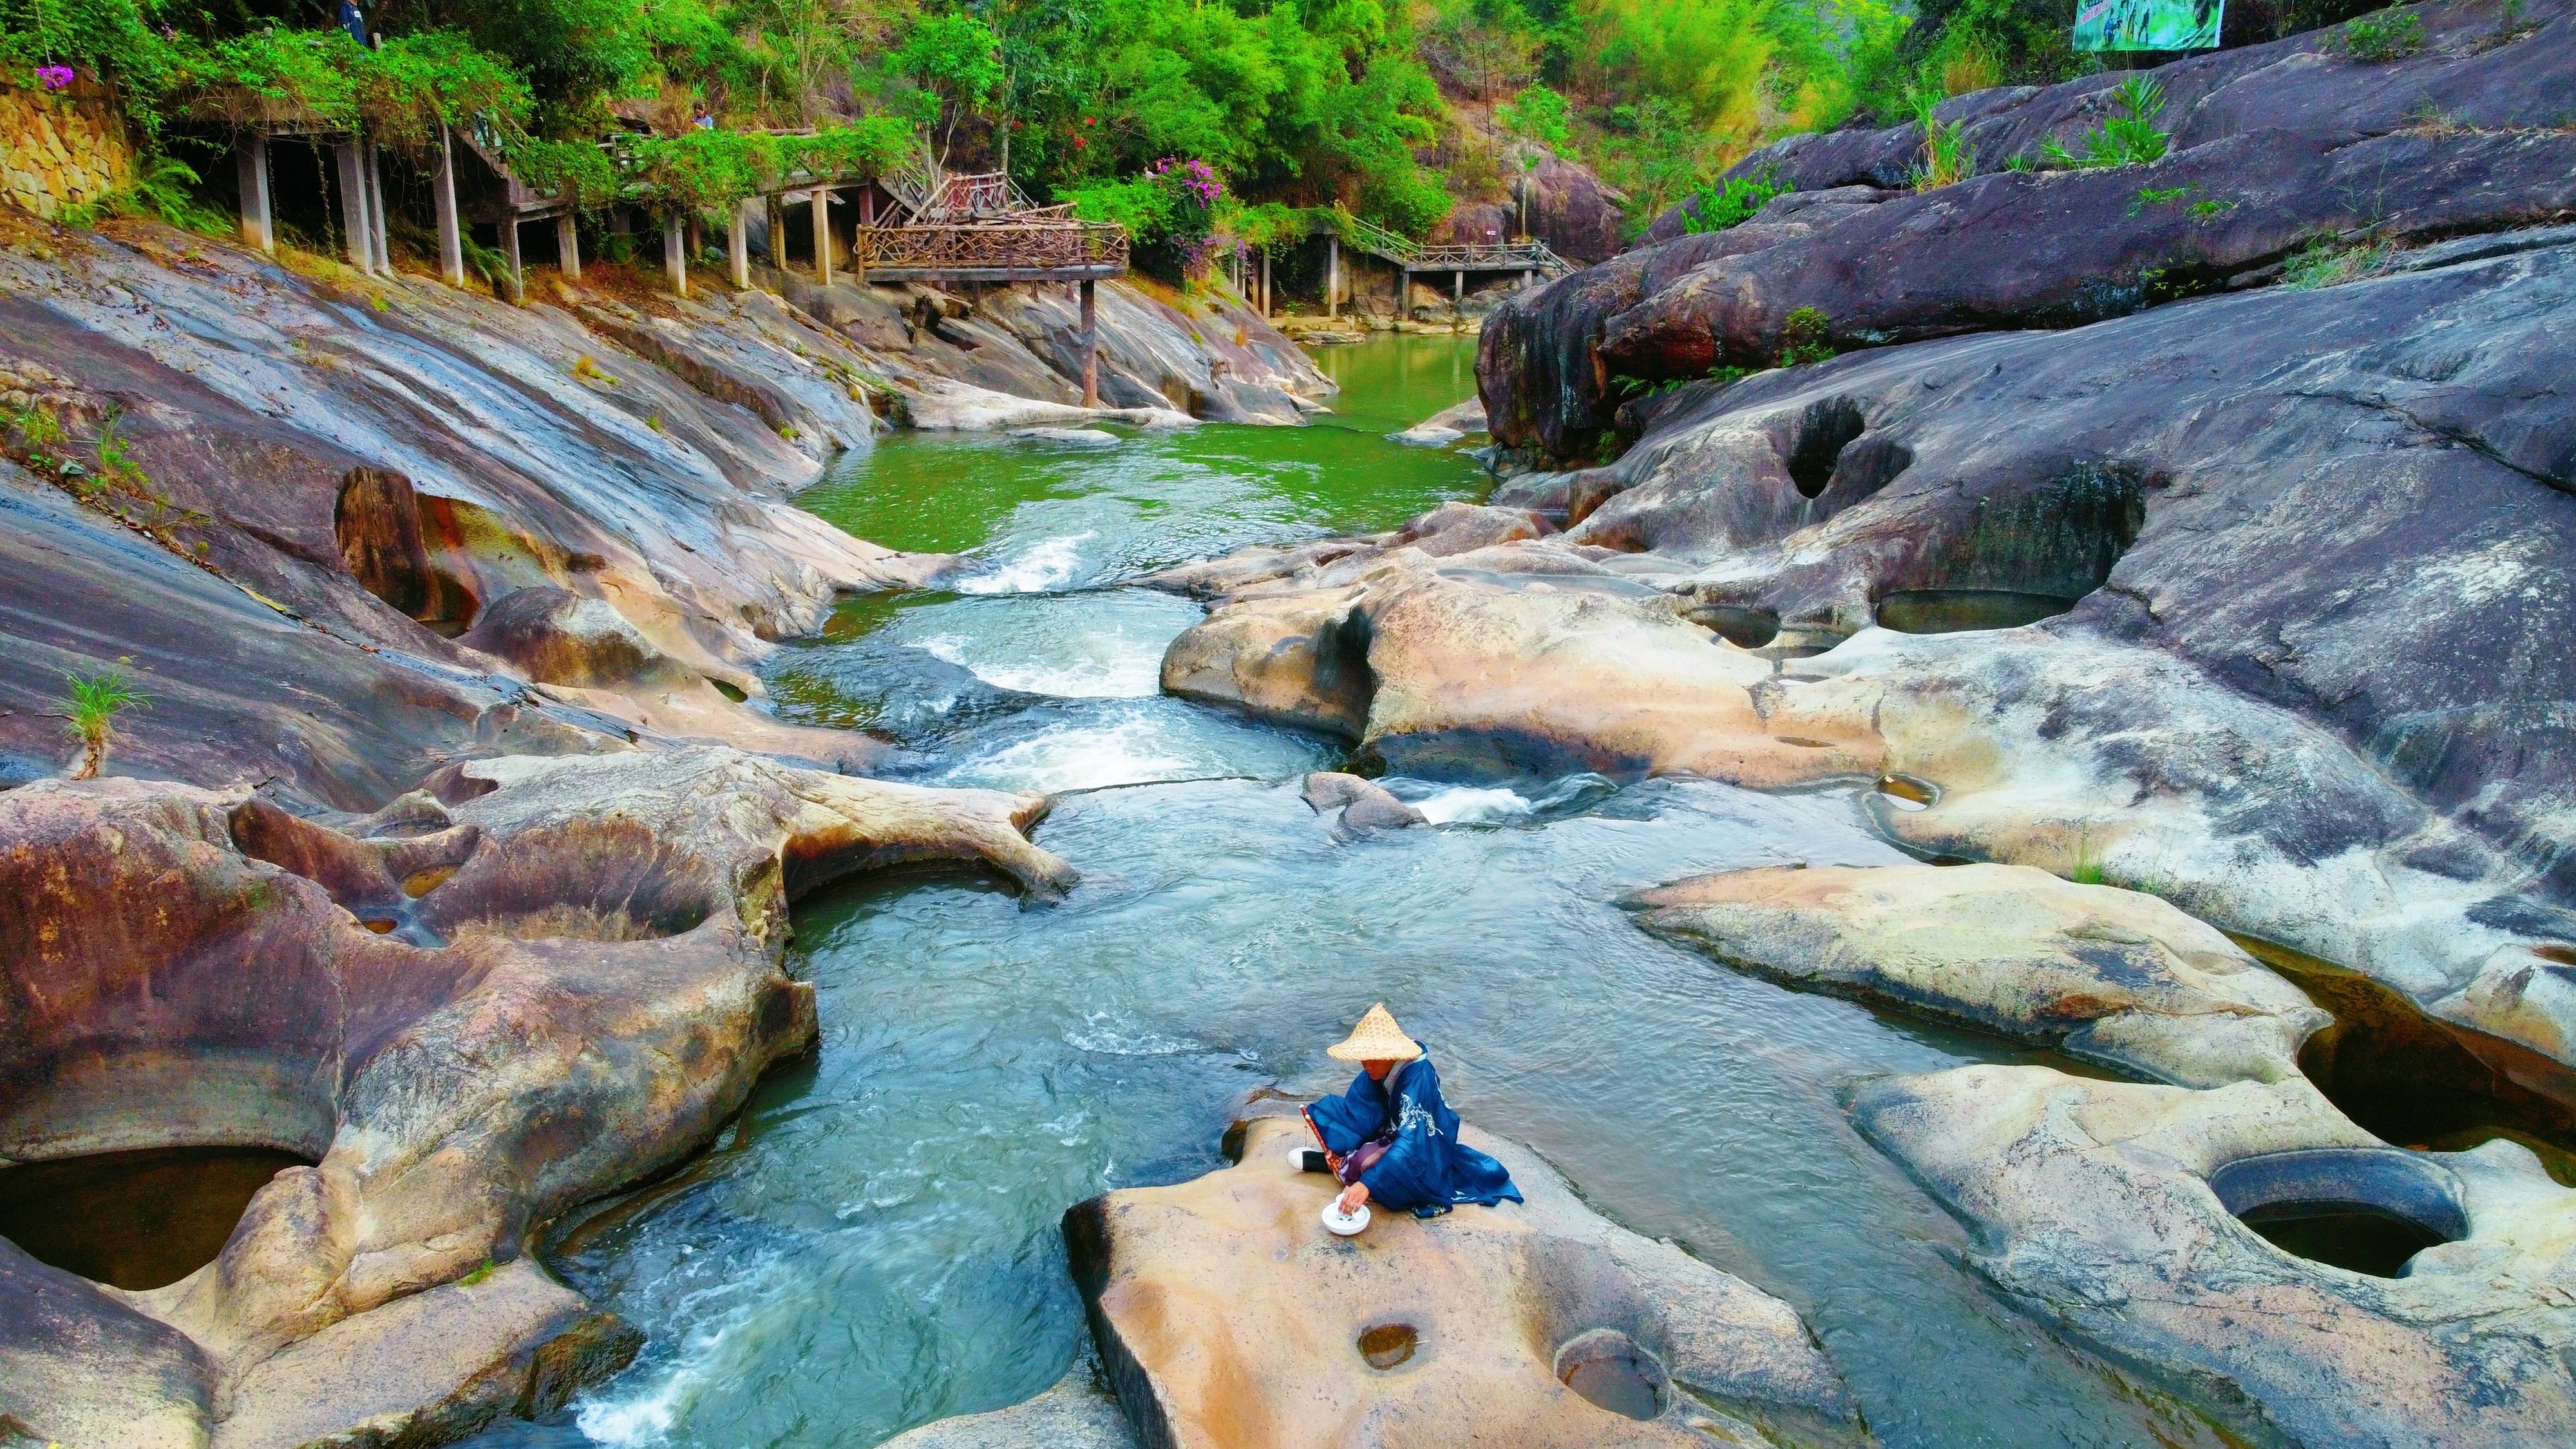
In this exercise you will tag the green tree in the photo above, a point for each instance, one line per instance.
(956, 61)
(1537, 115)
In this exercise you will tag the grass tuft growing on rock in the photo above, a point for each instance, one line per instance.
(2326, 261)
(2129, 136)
(1947, 156)
(90, 709)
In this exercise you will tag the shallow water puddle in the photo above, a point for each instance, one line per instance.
(875, 1242)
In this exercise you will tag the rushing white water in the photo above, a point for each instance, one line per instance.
(1050, 564)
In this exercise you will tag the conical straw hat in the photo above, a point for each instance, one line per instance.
(1376, 1039)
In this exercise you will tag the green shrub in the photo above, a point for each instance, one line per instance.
(1802, 337)
(2129, 137)
(2388, 35)
(1715, 206)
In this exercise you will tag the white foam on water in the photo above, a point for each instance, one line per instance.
(1125, 750)
(1116, 1034)
(1472, 805)
(1098, 664)
(641, 1409)
(1048, 564)
(1489, 804)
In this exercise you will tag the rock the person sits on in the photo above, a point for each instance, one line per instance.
(1390, 1139)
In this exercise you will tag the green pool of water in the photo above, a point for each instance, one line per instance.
(874, 1244)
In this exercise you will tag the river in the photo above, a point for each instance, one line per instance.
(874, 1243)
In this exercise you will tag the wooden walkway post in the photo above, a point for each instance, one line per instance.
(675, 253)
(258, 221)
(738, 245)
(568, 246)
(1265, 282)
(451, 233)
(509, 230)
(1090, 348)
(823, 236)
(377, 231)
(354, 210)
(777, 214)
(1332, 276)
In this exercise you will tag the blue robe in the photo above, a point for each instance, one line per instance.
(1427, 1169)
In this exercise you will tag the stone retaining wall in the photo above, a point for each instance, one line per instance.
(60, 151)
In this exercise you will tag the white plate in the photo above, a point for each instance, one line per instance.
(1341, 1226)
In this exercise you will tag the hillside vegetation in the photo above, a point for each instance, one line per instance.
(1388, 109)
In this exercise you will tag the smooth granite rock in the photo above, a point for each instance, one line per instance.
(1226, 1314)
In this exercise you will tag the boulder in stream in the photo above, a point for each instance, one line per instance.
(1366, 805)
(1227, 1314)
(2249, 1246)
(2103, 974)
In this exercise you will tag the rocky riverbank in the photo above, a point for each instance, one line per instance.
(429, 860)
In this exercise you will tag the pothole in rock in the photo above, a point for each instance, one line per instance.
(2366, 1210)
(2424, 1083)
(1388, 1345)
(1737, 624)
(134, 1220)
(1824, 430)
(1955, 611)
(1609, 1370)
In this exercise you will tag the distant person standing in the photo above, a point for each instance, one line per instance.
(354, 21)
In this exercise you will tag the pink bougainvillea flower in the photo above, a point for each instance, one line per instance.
(56, 77)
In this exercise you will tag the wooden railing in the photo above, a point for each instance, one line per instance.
(1020, 249)
(1531, 255)
(1528, 254)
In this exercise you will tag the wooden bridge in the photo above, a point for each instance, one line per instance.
(1528, 256)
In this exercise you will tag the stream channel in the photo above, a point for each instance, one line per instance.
(874, 1243)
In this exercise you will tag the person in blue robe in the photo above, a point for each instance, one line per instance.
(1390, 1139)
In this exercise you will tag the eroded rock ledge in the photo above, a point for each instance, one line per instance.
(1226, 1314)
(530, 983)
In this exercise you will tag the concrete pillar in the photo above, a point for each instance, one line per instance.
(376, 210)
(675, 254)
(1529, 278)
(568, 246)
(258, 219)
(738, 245)
(777, 232)
(354, 210)
(451, 233)
(1090, 348)
(1332, 276)
(822, 236)
(516, 275)
(1458, 286)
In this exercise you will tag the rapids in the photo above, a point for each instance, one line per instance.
(874, 1243)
